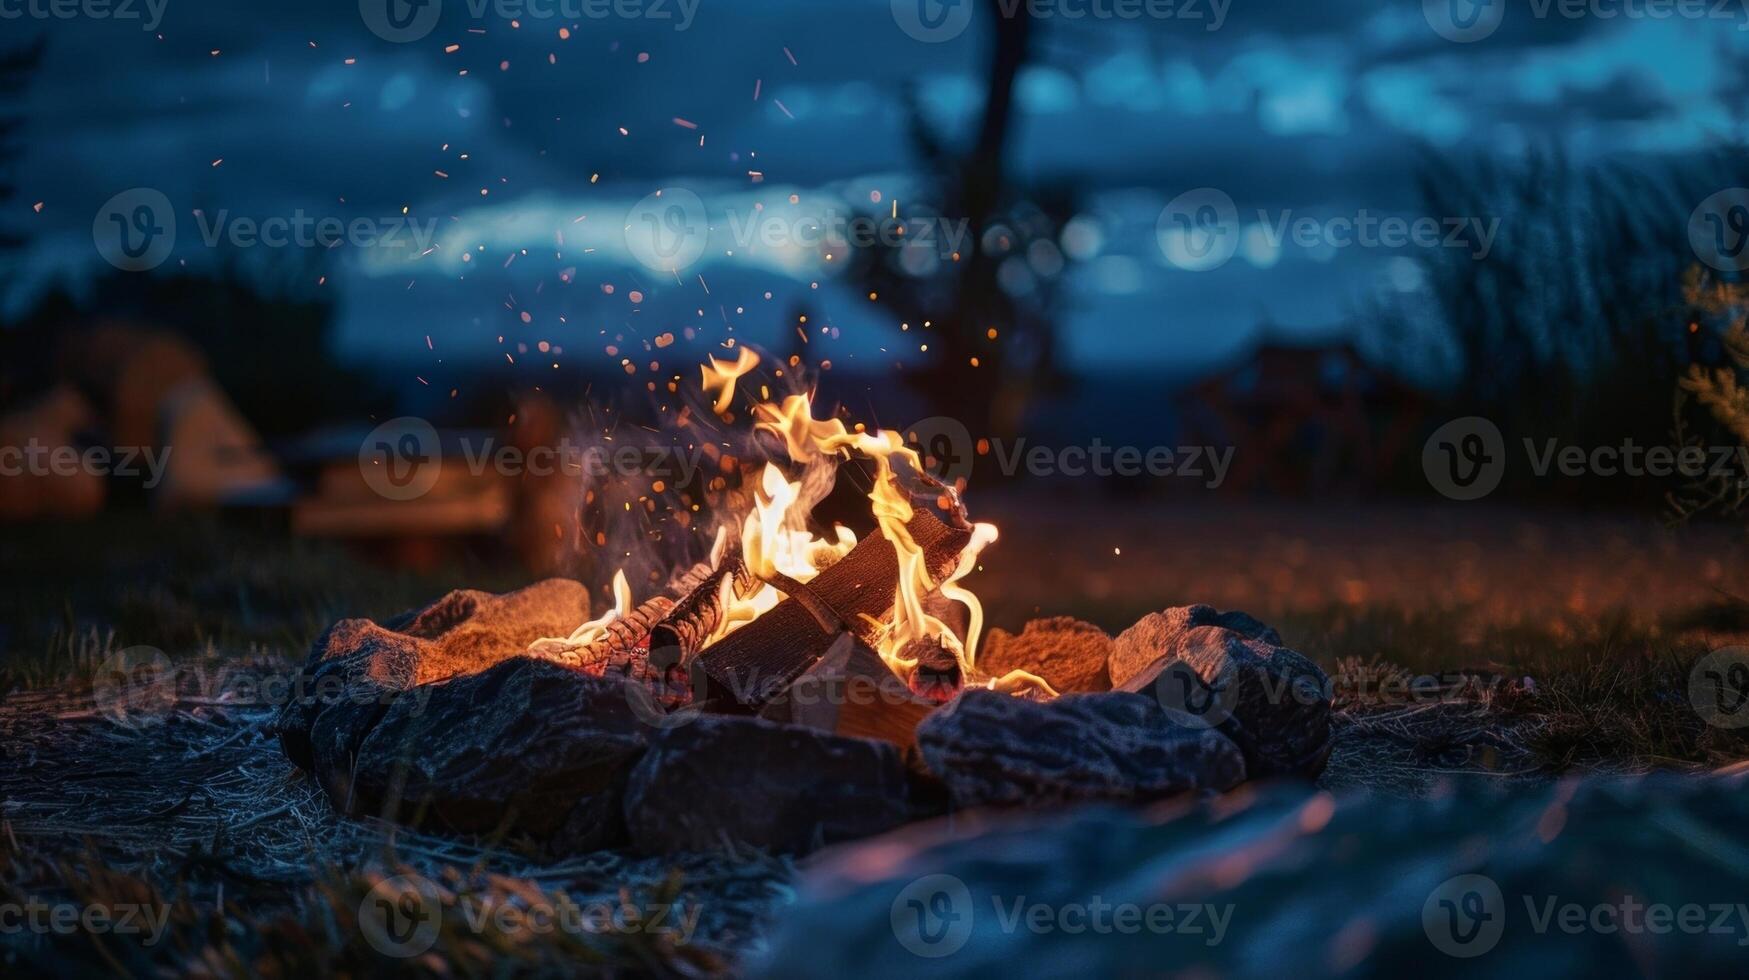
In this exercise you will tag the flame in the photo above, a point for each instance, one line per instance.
(595, 629)
(720, 376)
(810, 440)
(776, 538)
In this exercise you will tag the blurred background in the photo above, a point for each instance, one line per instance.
(1302, 237)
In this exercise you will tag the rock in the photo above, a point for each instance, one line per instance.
(779, 787)
(991, 748)
(357, 663)
(524, 746)
(1166, 634)
(1065, 651)
(1229, 671)
(1351, 886)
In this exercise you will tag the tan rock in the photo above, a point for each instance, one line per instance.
(1067, 652)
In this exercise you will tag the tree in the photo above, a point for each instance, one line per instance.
(984, 381)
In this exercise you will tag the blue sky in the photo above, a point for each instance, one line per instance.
(267, 109)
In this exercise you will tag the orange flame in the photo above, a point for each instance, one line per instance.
(776, 539)
(720, 376)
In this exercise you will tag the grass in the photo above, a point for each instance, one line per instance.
(316, 929)
(1531, 696)
(1611, 689)
(191, 585)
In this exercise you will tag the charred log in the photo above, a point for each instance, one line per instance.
(683, 632)
(851, 691)
(752, 665)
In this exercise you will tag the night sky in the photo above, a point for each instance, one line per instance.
(264, 109)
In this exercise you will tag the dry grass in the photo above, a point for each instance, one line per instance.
(193, 810)
(260, 877)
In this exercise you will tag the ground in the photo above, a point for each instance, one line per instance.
(1545, 645)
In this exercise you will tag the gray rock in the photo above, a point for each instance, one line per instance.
(783, 788)
(1168, 634)
(1352, 886)
(523, 746)
(1229, 671)
(357, 666)
(991, 748)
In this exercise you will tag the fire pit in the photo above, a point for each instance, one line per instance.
(796, 688)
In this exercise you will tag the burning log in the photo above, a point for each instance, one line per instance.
(622, 636)
(850, 691)
(752, 665)
(692, 620)
(938, 676)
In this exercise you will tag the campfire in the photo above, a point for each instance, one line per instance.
(736, 631)
(799, 685)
